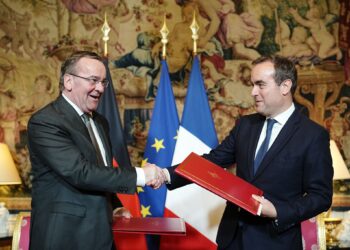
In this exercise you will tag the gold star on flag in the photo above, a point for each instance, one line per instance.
(140, 190)
(144, 162)
(145, 211)
(158, 144)
(177, 133)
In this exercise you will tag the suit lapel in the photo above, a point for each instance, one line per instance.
(282, 139)
(71, 116)
(77, 123)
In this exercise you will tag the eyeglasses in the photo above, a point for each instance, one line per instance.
(93, 81)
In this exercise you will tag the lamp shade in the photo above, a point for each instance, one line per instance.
(340, 169)
(8, 170)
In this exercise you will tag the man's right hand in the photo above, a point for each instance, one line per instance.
(155, 177)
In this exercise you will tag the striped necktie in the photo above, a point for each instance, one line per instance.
(86, 119)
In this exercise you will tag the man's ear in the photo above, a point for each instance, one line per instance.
(286, 87)
(67, 82)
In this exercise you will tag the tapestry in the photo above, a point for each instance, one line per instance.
(36, 36)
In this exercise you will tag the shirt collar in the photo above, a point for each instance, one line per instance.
(76, 108)
(283, 117)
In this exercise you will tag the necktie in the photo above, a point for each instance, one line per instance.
(86, 119)
(265, 145)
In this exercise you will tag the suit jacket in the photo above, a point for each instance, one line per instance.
(71, 194)
(295, 175)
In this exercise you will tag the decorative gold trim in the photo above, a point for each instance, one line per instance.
(17, 230)
(321, 231)
(17, 203)
(341, 200)
(164, 33)
(105, 30)
(322, 221)
(194, 28)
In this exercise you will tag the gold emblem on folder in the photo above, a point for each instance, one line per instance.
(214, 175)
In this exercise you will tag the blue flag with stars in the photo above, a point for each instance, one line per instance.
(160, 144)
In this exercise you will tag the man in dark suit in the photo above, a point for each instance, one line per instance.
(290, 161)
(73, 178)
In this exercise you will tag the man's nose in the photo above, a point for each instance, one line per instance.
(254, 91)
(99, 86)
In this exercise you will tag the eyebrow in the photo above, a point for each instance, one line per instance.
(97, 77)
(259, 82)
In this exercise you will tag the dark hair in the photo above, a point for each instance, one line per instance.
(68, 66)
(284, 69)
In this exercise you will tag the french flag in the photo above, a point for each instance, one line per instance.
(201, 209)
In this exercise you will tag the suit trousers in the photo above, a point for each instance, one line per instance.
(236, 243)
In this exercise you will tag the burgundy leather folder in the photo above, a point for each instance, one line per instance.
(220, 182)
(150, 225)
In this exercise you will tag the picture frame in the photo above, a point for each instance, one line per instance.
(341, 200)
(321, 231)
(17, 203)
(341, 194)
(16, 197)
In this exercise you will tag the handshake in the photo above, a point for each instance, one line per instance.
(155, 176)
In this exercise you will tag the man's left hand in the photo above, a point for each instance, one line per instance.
(267, 208)
(122, 212)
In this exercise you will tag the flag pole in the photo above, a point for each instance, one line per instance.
(105, 30)
(108, 107)
(194, 27)
(164, 33)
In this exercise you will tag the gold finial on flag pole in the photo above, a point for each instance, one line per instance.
(164, 32)
(194, 27)
(105, 30)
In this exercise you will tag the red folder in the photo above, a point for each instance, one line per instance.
(150, 225)
(221, 182)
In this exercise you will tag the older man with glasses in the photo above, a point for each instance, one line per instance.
(73, 178)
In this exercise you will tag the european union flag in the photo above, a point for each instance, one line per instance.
(160, 144)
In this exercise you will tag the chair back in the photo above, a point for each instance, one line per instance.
(20, 239)
(309, 234)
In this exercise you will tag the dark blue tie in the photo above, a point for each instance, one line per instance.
(264, 146)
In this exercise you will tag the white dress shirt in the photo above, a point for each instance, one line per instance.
(281, 120)
(141, 178)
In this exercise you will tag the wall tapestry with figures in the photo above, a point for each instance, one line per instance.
(36, 35)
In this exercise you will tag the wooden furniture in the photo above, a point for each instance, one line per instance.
(20, 238)
(323, 83)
